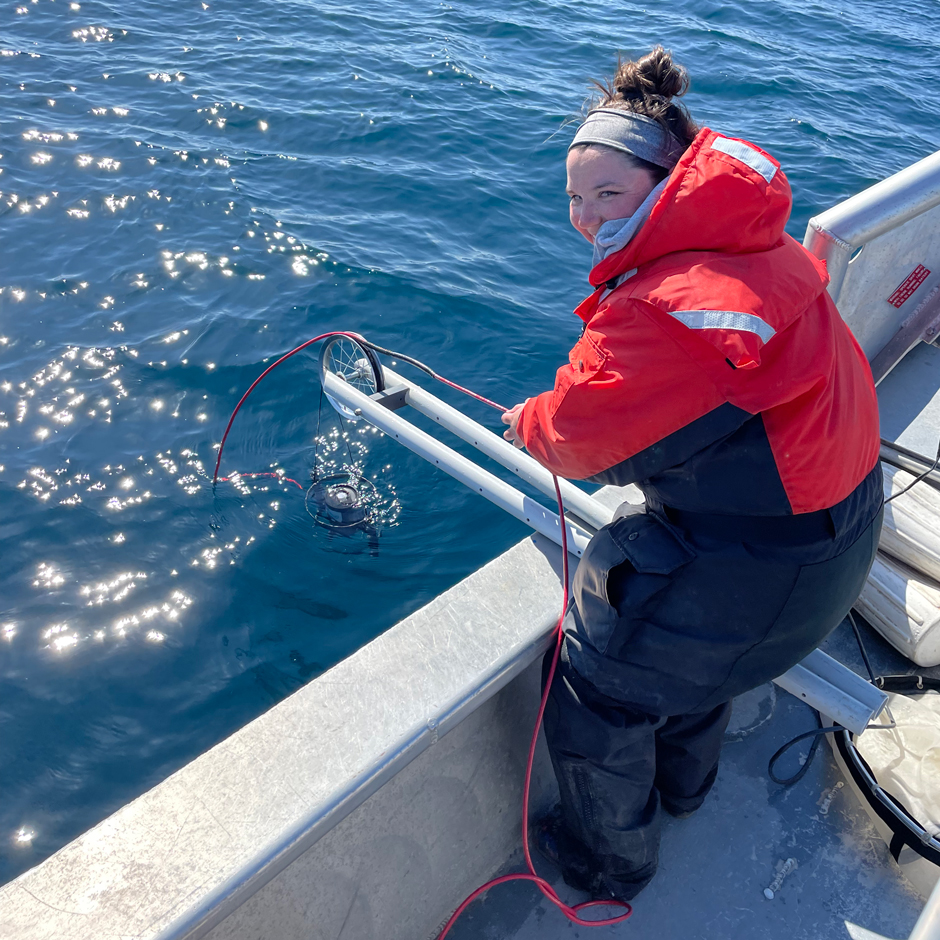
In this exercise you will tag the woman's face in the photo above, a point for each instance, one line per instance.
(603, 184)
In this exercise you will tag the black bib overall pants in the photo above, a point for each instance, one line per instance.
(673, 614)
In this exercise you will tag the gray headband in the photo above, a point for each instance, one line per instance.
(630, 133)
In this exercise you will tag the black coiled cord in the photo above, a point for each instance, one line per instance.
(817, 733)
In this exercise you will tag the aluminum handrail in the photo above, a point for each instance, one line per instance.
(910, 461)
(833, 689)
(495, 446)
(833, 235)
(461, 468)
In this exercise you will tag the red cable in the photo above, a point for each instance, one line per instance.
(253, 475)
(251, 388)
(466, 391)
(572, 912)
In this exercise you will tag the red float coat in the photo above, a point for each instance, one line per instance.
(717, 373)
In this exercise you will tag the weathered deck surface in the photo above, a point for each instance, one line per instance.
(715, 865)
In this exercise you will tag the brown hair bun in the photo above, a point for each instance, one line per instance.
(655, 75)
(648, 86)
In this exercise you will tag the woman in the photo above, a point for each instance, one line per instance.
(715, 372)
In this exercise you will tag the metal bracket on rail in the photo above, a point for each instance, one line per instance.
(392, 398)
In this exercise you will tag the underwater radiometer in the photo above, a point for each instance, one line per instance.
(337, 500)
(343, 503)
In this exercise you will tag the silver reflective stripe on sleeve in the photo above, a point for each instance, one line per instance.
(747, 155)
(724, 320)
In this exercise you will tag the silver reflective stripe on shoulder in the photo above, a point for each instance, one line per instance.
(724, 320)
(748, 155)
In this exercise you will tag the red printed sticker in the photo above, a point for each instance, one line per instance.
(909, 285)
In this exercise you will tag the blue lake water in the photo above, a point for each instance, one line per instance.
(187, 190)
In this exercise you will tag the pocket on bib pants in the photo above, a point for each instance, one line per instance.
(624, 566)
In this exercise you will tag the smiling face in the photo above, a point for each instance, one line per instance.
(604, 184)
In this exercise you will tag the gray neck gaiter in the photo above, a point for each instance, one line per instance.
(616, 233)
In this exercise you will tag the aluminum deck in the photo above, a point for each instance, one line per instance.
(715, 865)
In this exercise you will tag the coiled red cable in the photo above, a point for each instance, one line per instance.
(573, 911)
